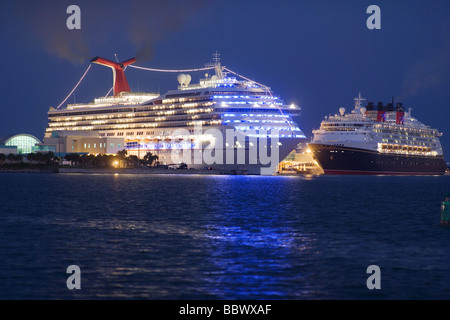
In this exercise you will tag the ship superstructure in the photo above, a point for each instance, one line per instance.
(182, 119)
(380, 139)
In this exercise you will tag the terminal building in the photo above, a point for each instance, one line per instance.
(19, 144)
(62, 143)
(81, 142)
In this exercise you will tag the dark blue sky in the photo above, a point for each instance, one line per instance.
(318, 54)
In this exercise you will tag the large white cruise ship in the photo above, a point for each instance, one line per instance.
(377, 140)
(233, 125)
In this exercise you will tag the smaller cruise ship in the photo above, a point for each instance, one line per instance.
(380, 139)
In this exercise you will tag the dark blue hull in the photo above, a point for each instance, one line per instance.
(344, 160)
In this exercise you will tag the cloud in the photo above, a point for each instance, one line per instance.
(47, 20)
(139, 23)
(154, 20)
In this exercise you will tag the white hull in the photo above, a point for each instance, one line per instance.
(248, 159)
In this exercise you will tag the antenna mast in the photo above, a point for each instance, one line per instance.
(217, 65)
(358, 101)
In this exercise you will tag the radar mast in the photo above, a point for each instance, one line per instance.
(358, 100)
(217, 65)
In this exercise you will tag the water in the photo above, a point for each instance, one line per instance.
(222, 237)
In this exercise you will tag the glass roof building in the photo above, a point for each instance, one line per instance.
(25, 143)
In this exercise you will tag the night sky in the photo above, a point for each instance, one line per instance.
(318, 54)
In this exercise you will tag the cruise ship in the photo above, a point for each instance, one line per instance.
(381, 139)
(229, 123)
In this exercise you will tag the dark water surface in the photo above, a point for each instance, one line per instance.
(222, 237)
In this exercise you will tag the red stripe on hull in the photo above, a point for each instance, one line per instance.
(352, 172)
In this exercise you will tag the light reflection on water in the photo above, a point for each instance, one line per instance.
(255, 262)
(219, 237)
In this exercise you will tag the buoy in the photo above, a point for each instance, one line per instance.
(445, 211)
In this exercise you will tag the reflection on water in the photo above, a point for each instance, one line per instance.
(220, 237)
(256, 262)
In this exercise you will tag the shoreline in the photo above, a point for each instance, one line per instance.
(69, 170)
(137, 171)
(109, 170)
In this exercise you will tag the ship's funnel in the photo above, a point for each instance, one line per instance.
(400, 115)
(381, 113)
(119, 80)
